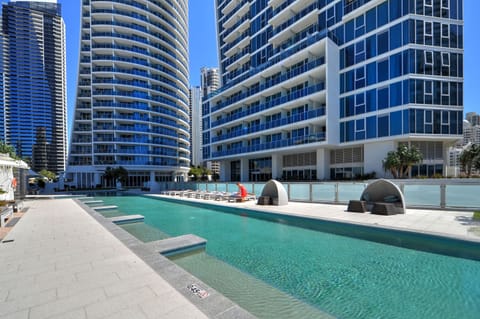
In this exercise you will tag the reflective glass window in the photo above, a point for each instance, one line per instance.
(396, 123)
(383, 126)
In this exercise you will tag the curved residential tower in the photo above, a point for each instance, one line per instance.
(132, 97)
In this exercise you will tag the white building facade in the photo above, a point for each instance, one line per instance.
(132, 97)
(318, 89)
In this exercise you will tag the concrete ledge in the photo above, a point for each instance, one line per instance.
(93, 202)
(180, 244)
(105, 207)
(127, 219)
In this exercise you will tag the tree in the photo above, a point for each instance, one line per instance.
(50, 175)
(470, 159)
(199, 172)
(8, 149)
(400, 162)
(112, 175)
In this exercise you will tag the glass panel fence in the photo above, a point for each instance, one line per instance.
(221, 187)
(422, 195)
(300, 192)
(346, 192)
(323, 192)
(259, 189)
(463, 196)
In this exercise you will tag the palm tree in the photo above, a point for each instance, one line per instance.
(392, 163)
(400, 162)
(470, 158)
(409, 156)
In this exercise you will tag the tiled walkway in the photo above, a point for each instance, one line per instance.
(64, 264)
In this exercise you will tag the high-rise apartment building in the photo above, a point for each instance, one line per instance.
(209, 83)
(323, 89)
(209, 80)
(34, 81)
(473, 118)
(132, 97)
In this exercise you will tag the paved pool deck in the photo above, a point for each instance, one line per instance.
(64, 260)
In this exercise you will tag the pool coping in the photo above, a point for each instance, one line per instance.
(215, 305)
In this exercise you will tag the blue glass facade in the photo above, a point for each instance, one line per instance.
(317, 75)
(34, 83)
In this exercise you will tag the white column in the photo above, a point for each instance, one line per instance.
(323, 163)
(277, 166)
(244, 169)
(224, 171)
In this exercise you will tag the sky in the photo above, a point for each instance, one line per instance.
(203, 47)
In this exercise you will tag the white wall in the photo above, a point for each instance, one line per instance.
(374, 153)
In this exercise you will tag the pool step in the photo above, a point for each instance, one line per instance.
(93, 202)
(105, 207)
(127, 219)
(177, 245)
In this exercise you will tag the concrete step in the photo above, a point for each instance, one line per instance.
(179, 244)
(127, 219)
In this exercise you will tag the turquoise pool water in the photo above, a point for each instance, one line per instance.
(341, 276)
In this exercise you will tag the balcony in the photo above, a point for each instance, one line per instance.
(312, 114)
(295, 141)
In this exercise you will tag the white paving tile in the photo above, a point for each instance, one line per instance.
(64, 264)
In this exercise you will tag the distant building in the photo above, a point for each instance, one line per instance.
(132, 98)
(209, 83)
(315, 90)
(471, 133)
(473, 118)
(209, 80)
(195, 104)
(34, 80)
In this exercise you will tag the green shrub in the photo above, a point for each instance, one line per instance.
(476, 215)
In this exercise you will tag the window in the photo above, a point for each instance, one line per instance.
(428, 57)
(396, 123)
(445, 59)
(382, 42)
(371, 47)
(371, 73)
(382, 98)
(428, 32)
(445, 35)
(428, 90)
(359, 52)
(371, 23)
(360, 129)
(359, 26)
(383, 127)
(359, 78)
(360, 103)
(395, 36)
(371, 100)
(372, 127)
(382, 72)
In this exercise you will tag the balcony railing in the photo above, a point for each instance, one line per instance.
(295, 141)
(272, 124)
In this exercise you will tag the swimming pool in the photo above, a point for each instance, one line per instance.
(337, 275)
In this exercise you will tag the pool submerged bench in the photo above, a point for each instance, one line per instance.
(179, 244)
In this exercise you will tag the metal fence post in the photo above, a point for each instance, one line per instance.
(310, 192)
(336, 192)
(443, 195)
